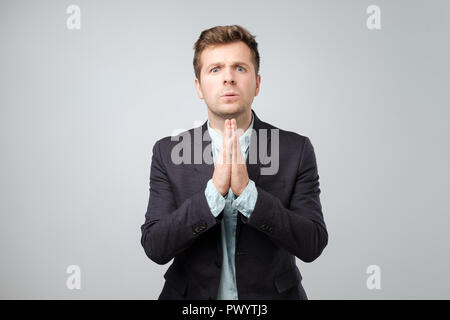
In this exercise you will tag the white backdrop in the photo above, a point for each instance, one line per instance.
(82, 108)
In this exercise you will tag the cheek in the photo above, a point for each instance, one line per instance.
(250, 86)
(210, 90)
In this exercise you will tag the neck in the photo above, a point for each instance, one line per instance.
(243, 121)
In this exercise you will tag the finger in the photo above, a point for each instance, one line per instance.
(229, 150)
(238, 159)
(228, 142)
(224, 141)
(225, 125)
(235, 145)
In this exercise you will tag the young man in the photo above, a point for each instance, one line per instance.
(233, 225)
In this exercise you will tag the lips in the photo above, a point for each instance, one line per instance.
(229, 98)
(230, 94)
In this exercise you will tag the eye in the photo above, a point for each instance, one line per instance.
(241, 68)
(212, 70)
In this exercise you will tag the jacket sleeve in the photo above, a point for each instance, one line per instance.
(300, 228)
(168, 230)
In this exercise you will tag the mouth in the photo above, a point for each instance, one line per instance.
(229, 95)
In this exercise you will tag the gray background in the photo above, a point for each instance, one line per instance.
(81, 110)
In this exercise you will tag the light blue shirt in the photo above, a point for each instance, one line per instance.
(230, 205)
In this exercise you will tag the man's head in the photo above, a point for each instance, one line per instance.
(226, 65)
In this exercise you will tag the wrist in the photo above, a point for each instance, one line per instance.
(222, 190)
(239, 192)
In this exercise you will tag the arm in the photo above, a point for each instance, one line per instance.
(300, 229)
(168, 230)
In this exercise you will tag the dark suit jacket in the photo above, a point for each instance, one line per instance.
(287, 222)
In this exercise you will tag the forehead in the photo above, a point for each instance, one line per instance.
(226, 53)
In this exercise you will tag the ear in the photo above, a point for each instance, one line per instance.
(258, 83)
(199, 88)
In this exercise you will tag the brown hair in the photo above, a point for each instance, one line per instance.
(223, 35)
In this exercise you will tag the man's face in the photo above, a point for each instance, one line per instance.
(227, 79)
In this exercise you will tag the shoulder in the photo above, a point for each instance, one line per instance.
(164, 146)
(168, 141)
(289, 138)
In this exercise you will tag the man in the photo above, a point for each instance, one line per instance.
(233, 227)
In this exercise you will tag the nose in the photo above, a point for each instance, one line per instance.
(228, 81)
(228, 77)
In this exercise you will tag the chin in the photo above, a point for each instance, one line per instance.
(230, 109)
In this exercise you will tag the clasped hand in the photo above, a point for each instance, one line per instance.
(230, 169)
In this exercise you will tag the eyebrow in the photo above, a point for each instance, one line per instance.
(221, 63)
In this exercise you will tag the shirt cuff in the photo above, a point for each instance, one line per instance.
(216, 201)
(246, 201)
